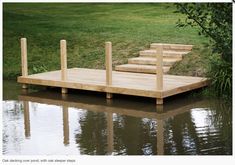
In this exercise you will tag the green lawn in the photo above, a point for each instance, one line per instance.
(130, 27)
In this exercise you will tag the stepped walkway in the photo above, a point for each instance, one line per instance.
(146, 62)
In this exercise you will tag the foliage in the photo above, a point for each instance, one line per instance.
(220, 73)
(214, 21)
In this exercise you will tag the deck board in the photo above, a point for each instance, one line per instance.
(138, 84)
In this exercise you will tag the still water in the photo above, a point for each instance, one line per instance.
(46, 123)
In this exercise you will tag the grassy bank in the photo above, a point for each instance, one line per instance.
(130, 27)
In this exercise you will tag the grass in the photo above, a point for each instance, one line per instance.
(130, 28)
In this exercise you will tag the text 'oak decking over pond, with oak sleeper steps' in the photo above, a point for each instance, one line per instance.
(157, 86)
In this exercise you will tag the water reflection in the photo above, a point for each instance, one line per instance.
(90, 125)
(26, 119)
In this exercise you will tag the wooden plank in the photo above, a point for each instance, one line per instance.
(151, 61)
(140, 68)
(137, 84)
(63, 57)
(24, 62)
(186, 88)
(180, 47)
(108, 61)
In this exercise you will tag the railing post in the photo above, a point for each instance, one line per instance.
(63, 56)
(24, 62)
(108, 61)
(159, 71)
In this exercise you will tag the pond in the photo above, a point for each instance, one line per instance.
(44, 122)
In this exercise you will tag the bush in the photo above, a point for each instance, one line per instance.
(214, 20)
(220, 74)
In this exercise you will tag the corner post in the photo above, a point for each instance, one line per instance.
(108, 61)
(24, 62)
(159, 71)
(63, 57)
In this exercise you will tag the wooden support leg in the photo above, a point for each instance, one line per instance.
(64, 90)
(109, 95)
(24, 86)
(159, 101)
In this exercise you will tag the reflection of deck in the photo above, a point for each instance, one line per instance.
(90, 104)
(169, 111)
(157, 86)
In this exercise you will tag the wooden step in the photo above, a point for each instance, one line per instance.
(176, 47)
(139, 68)
(152, 61)
(168, 54)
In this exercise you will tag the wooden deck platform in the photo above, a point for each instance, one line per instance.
(137, 84)
(157, 86)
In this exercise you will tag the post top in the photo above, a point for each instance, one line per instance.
(63, 40)
(108, 42)
(22, 39)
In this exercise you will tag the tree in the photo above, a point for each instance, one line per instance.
(214, 20)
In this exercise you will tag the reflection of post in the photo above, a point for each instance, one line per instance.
(160, 137)
(26, 119)
(159, 108)
(110, 132)
(66, 125)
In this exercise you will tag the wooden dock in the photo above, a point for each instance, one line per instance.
(157, 86)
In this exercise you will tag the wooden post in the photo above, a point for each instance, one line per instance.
(24, 62)
(63, 56)
(108, 61)
(159, 71)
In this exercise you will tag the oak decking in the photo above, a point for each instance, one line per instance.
(156, 86)
(137, 84)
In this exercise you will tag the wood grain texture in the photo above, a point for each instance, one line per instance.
(63, 57)
(137, 84)
(108, 62)
(138, 68)
(24, 62)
